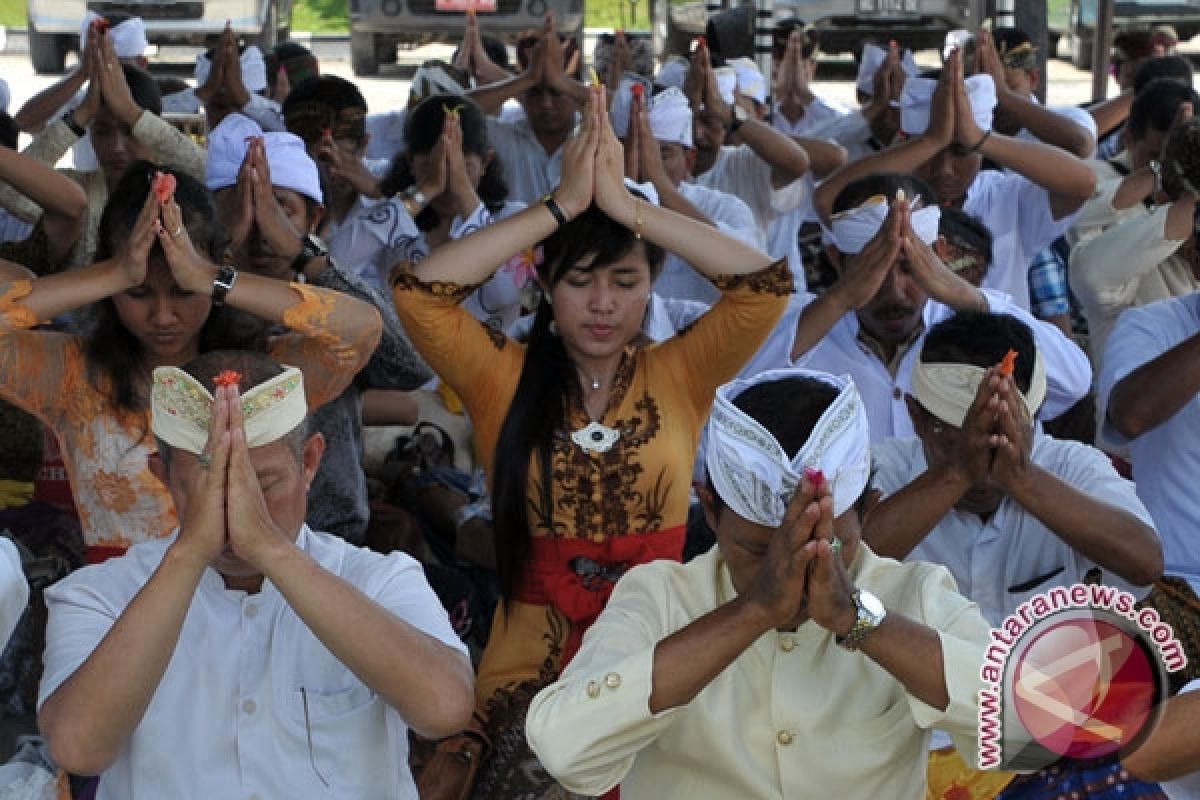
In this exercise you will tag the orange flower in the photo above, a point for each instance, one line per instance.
(1008, 364)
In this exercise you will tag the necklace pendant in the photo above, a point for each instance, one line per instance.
(595, 384)
(595, 437)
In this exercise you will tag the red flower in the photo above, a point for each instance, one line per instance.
(164, 186)
(228, 378)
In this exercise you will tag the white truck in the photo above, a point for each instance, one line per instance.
(54, 25)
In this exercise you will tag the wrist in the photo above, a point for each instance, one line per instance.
(756, 616)
(843, 619)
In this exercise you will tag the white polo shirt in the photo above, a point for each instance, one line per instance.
(249, 686)
(531, 172)
(1012, 556)
(1166, 459)
(14, 589)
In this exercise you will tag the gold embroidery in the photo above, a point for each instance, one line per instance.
(775, 279)
(406, 280)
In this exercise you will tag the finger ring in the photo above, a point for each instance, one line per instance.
(178, 230)
(204, 460)
(836, 544)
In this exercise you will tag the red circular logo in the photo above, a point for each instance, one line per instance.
(1084, 687)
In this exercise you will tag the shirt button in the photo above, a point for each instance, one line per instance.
(896, 393)
(787, 644)
(249, 706)
(593, 689)
(612, 680)
(784, 738)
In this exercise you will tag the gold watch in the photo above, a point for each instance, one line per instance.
(870, 616)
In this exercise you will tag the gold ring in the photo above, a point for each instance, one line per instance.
(204, 460)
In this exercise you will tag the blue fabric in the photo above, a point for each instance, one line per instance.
(1094, 779)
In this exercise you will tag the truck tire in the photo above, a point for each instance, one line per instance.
(668, 38)
(47, 53)
(1082, 56)
(364, 57)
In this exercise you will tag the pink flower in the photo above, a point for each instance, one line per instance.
(523, 266)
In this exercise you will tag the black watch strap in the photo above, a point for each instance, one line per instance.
(223, 283)
(311, 247)
(69, 120)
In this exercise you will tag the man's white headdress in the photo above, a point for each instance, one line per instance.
(128, 38)
(756, 478)
(854, 228)
(947, 390)
(917, 99)
(181, 408)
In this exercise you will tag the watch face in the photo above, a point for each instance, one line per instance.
(314, 246)
(871, 604)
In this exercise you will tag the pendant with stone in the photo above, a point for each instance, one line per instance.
(595, 437)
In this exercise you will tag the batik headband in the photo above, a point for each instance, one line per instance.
(310, 120)
(181, 408)
(756, 478)
(947, 390)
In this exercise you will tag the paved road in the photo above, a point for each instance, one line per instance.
(390, 89)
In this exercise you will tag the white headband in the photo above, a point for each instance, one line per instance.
(756, 478)
(727, 81)
(873, 57)
(750, 80)
(854, 228)
(291, 166)
(128, 38)
(673, 72)
(254, 69)
(671, 117)
(947, 390)
(917, 98)
(181, 408)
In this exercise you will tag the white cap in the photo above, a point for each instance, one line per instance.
(254, 69)
(291, 167)
(128, 38)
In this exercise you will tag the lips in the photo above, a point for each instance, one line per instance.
(600, 331)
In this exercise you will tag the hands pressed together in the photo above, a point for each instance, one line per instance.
(643, 158)
(803, 572)
(994, 445)
(224, 82)
(161, 220)
(445, 170)
(106, 83)
(594, 166)
(950, 119)
(226, 511)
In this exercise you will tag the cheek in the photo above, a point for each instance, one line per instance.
(195, 310)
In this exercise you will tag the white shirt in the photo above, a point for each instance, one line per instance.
(1010, 558)
(14, 589)
(1188, 787)
(816, 114)
(740, 171)
(1017, 212)
(375, 234)
(852, 132)
(13, 228)
(386, 130)
(794, 716)
(228, 717)
(530, 171)
(840, 352)
(1166, 459)
(732, 217)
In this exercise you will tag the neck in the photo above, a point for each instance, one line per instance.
(551, 140)
(596, 374)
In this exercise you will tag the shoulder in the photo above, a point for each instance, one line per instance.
(112, 584)
(910, 587)
(895, 462)
(669, 589)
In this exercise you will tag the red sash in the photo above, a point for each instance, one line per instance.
(576, 576)
(99, 553)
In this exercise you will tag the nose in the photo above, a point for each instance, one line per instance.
(601, 298)
(162, 311)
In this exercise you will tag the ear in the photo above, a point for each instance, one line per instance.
(158, 468)
(707, 504)
(1035, 79)
(366, 142)
(314, 448)
(689, 158)
(941, 248)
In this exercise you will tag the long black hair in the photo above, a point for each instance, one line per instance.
(548, 376)
(422, 129)
(115, 357)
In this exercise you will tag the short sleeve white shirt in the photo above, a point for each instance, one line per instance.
(1166, 459)
(530, 171)
(249, 683)
(1012, 556)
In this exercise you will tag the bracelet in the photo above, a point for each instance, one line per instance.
(637, 217)
(982, 139)
(69, 120)
(554, 208)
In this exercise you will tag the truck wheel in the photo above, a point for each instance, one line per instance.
(667, 37)
(1082, 57)
(47, 53)
(363, 56)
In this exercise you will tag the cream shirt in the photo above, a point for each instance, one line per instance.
(249, 683)
(14, 589)
(794, 716)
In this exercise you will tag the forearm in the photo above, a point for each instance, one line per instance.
(912, 654)
(89, 718)
(824, 156)
(1109, 114)
(427, 682)
(57, 194)
(389, 407)
(690, 659)
(895, 526)
(1173, 748)
(670, 197)
(491, 98)
(787, 159)
(1157, 390)
(1068, 180)
(66, 291)
(817, 319)
(38, 110)
(1110, 537)
(1050, 128)
(705, 248)
(904, 157)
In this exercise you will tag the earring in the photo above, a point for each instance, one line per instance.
(553, 328)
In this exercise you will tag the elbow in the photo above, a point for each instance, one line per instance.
(1125, 416)
(836, 160)
(1083, 146)
(1148, 566)
(448, 707)
(75, 747)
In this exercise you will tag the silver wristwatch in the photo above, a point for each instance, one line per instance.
(870, 616)
(223, 283)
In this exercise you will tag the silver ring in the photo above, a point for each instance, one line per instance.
(176, 233)
(204, 460)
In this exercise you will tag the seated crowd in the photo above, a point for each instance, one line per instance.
(671, 432)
